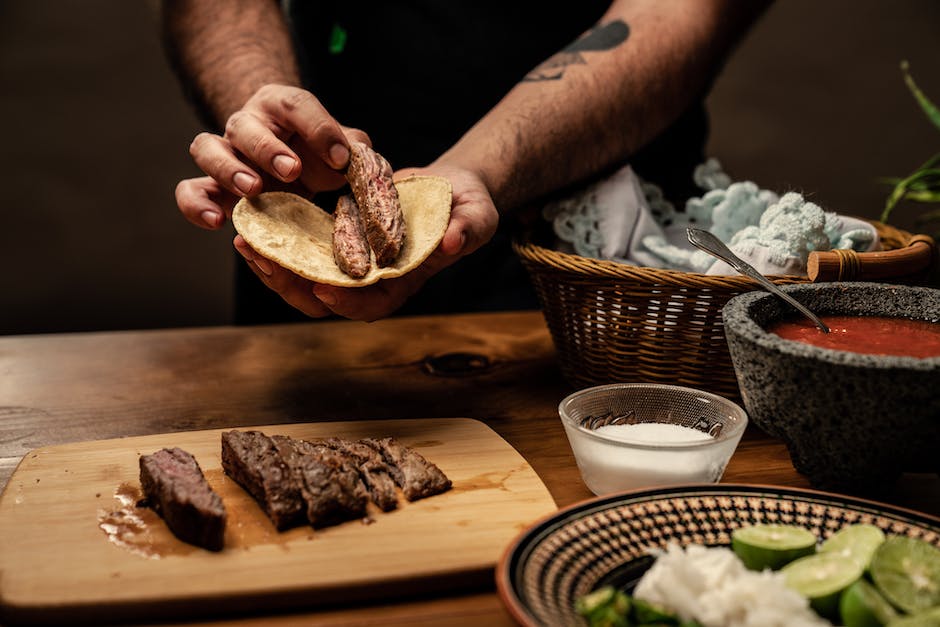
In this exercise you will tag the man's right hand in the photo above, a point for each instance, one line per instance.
(282, 135)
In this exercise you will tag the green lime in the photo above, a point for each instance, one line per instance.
(929, 618)
(861, 605)
(907, 571)
(822, 578)
(856, 541)
(771, 546)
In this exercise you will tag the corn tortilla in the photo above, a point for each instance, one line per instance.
(298, 235)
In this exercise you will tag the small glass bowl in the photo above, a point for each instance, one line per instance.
(659, 453)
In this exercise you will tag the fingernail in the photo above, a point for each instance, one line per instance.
(243, 182)
(264, 265)
(339, 155)
(211, 218)
(284, 165)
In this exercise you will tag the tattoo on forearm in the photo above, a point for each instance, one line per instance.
(601, 37)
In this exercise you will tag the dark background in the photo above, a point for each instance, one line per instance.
(95, 136)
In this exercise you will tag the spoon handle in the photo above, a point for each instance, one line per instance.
(715, 247)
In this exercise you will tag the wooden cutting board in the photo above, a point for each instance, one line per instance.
(74, 545)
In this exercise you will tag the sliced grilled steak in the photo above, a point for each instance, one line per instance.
(331, 487)
(370, 177)
(373, 470)
(417, 477)
(176, 489)
(350, 247)
(251, 459)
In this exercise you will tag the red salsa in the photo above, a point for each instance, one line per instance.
(872, 335)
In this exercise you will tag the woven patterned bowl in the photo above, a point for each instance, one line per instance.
(606, 541)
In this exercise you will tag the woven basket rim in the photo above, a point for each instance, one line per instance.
(572, 263)
(604, 268)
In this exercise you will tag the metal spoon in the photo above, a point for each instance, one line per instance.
(716, 248)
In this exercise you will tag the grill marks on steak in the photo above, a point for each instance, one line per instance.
(417, 477)
(326, 482)
(350, 247)
(330, 485)
(176, 489)
(370, 177)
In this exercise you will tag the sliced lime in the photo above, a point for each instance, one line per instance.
(771, 546)
(821, 578)
(907, 571)
(861, 605)
(856, 541)
(929, 618)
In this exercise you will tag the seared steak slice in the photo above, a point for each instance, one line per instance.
(370, 177)
(330, 486)
(176, 489)
(251, 459)
(350, 248)
(375, 473)
(416, 476)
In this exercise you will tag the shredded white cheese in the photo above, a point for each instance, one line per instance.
(713, 587)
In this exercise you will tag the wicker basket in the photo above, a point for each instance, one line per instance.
(613, 322)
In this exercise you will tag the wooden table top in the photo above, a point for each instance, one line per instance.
(63, 388)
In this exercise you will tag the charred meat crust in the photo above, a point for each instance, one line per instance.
(176, 489)
(350, 247)
(326, 482)
(252, 460)
(330, 486)
(370, 177)
(373, 470)
(417, 477)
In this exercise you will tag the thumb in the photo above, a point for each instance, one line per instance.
(455, 240)
(468, 229)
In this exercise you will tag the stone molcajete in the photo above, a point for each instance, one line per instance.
(851, 421)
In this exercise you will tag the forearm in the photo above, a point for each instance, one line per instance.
(589, 106)
(224, 50)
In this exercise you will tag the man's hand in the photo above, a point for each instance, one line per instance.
(282, 135)
(473, 222)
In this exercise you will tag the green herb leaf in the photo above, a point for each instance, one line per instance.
(930, 177)
(926, 196)
(933, 114)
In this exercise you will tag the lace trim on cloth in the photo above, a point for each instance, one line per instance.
(625, 219)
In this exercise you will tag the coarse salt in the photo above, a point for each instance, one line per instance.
(653, 432)
(608, 467)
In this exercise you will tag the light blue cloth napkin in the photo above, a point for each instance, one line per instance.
(624, 219)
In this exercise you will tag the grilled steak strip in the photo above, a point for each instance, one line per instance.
(173, 483)
(251, 459)
(417, 477)
(331, 487)
(373, 470)
(370, 177)
(350, 247)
